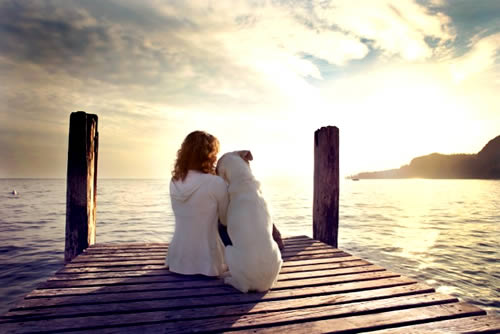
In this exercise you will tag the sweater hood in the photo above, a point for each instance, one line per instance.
(183, 190)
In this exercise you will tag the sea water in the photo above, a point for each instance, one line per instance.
(441, 232)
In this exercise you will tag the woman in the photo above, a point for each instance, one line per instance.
(199, 198)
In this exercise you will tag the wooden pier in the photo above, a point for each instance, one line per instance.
(125, 288)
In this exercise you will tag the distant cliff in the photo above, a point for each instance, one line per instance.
(483, 165)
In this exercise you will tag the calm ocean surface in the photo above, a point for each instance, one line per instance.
(442, 232)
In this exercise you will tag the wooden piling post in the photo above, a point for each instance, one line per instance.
(81, 184)
(326, 185)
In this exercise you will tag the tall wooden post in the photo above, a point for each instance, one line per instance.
(81, 183)
(326, 185)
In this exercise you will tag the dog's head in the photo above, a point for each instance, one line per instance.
(233, 162)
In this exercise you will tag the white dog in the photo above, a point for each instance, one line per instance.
(254, 260)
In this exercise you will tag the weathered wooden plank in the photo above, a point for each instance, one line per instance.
(114, 264)
(286, 240)
(331, 269)
(332, 259)
(113, 259)
(162, 251)
(166, 275)
(358, 277)
(159, 261)
(322, 265)
(290, 238)
(125, 252)
(302, 265)
(135, 284)
(53, 283)
(146, 249)
(315, 245)
(315, 269)
(68, 270)
(129, 245)
(336, 269)
(478, 324)
(178, 281)
(120, 249)
(161, 255)
(288, 254)
(183, 298)
(120, 253)
(377, 320)
(304, 243)
(361, 268)
(65, 276)
(243, 315)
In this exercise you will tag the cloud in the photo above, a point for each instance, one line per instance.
(237, 53)
(483, 55)
(154, 70)
(187, 55)
(44, 33)
(395, 27)
(70, 43)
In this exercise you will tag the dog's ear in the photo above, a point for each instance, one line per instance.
(246, 155)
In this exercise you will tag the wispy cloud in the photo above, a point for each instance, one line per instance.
(401, 28)
(484, 54)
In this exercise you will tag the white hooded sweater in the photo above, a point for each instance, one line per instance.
(197, 202)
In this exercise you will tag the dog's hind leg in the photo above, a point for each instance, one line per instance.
(233, 262)
(225, 274)
(236, 284)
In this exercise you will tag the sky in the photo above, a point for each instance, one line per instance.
(399, 79)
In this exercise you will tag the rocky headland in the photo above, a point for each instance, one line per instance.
(483, 165)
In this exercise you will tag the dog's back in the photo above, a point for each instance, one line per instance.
(254, 259)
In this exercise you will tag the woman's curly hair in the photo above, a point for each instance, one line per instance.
(198, 152)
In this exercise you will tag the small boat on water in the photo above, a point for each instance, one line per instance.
(14, 192)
